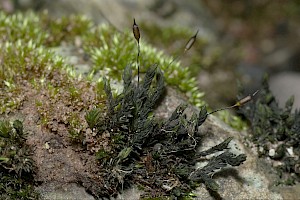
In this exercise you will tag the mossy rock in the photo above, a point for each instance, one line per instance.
(42, 88)
(30, 38)
(52, 99)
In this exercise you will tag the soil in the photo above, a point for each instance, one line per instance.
(59, 160)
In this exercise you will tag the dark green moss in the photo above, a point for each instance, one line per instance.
(157, 155)
(276, 129)
(16, 165)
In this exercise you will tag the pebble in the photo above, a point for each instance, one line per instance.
(272, 152)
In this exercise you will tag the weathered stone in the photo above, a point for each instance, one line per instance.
(56, 191)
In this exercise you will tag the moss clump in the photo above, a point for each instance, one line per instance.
(16, 165)
(232, 120)
(21, 62)
(65, 29)
(29, 38)
(275, 131)
(19, 27)
(157, 155)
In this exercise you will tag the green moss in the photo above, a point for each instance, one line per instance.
(276, 129)
(25, 54)
(29, 36)
(93, 117)
(16, 165)
(112, 51)
(19, 27)
(28, 62)
(158, 155)
(233, 120)
(65, 29)
(24, 61)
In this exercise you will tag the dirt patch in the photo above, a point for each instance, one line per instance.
(59, 160)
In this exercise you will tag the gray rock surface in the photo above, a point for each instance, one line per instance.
(57, 191)
(121, 12)
(284, 85)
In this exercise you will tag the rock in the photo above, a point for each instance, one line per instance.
(120, 13)
(7, 6)
(272, 152)
(289, 192)
(57, 191)
(284, 85)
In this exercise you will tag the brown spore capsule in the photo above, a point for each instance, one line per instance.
(191, 42)
(246, 99)
(241, 102)
(136, 31)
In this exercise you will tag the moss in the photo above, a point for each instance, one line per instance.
(65, 29)
(158, 155)
(232, 120)
(16, 165)
(117, 50)
(29, 36)
(276, 129)
(31, 71)
(19, 27)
